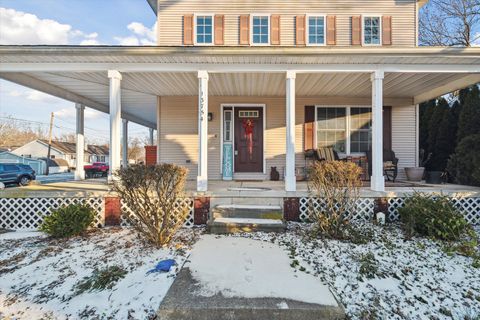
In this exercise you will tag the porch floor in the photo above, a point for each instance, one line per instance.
(234, 189)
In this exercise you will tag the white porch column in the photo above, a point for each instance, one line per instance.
(115, 122)
(124, 143)
(150, 136)
(202, 177)
(80, 142)
(290, 179)
(158, 128)
(377, 182)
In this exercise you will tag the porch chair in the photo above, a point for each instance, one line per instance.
(326, 154)
(390, 164)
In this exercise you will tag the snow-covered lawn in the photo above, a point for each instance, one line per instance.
(39, 276)
(388, 277)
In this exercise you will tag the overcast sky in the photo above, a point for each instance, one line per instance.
(84, 22)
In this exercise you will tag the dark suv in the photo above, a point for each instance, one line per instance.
(20, 174)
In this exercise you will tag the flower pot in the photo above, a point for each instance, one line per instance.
(415, 173)
(434, 177)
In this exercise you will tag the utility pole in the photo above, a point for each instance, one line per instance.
(49, 143)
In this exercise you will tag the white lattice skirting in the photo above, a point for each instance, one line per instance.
(181, 204)
(470, 207)
(28, 213)
(364, 210)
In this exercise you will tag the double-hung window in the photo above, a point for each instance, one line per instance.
(347, 129)
(372, 30)
(316, 30)
(203, 29)
(260, 29)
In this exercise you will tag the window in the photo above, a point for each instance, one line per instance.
(346, 129)
(248, 114)
(204, 29)
(260, 30)
(316, 30)
(372, 30)
(10, 168)
(227, 126)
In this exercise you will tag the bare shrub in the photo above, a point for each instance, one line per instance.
(337, 184)
(153, 194)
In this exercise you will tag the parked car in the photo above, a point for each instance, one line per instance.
(12, 173)
(96, 169)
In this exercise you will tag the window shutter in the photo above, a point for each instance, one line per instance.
(331, 30)
(245, 29)
(387, 30)
(300, 30)
(356, 30)
(188, 29)
(387, 127)
(309, 128)
(219, 27)
(275, 29)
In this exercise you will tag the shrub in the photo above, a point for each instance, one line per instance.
(436, 217)
(337, 185)
(464, 165)
(101, 279)
(152, 193)
(68, 221)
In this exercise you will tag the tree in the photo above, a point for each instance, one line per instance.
(450, 23)
(469, 118)
(436, 136)
(464, 165)
(425, 113)
(446, 136)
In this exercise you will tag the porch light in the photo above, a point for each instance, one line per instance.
(210, 116)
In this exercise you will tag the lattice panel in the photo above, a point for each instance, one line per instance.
(309, 205)
(470, 207)
(28, 213)
(188, 202)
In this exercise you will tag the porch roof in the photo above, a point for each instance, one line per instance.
(79, 73)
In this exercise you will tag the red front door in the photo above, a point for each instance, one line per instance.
(248, 139)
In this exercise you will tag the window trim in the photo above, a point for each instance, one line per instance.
(348, 128)
(268, 15)
(195, 16)
(380, 18)
(307, 27)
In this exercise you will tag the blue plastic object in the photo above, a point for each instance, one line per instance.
(163, 266)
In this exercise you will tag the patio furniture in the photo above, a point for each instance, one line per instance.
(390, 164)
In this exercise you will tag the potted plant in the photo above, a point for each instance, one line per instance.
(417, 173)
(435, 173)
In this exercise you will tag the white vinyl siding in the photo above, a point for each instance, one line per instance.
(404, 141)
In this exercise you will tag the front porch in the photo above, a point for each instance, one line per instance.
(183, 93)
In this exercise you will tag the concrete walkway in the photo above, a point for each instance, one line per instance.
(240, 278)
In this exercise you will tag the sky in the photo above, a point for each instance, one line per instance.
(73, 22)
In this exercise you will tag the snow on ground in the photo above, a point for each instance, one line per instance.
(239, 267)
(412, 279)
(39, 275)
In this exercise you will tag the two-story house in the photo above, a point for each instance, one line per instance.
(237, 87)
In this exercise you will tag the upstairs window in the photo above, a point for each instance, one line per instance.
(372, 30)
(204, 29)
(316, 30)
(260, 29)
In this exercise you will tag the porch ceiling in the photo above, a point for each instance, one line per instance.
(79, 74)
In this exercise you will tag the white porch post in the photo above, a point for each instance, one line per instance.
(80, 142)
(150, 136)
(290, 179)
(124, 143)
(115, 122)
(202, 177)
(377, 182)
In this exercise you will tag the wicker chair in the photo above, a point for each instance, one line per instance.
(390, 164)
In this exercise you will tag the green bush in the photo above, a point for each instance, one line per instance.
(464, 165)
(68, 221)
(101, 279)
(437, 218)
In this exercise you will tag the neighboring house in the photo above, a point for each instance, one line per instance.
(237, 87)
(62, 150)
(38, 165)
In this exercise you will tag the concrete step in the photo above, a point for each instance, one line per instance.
(183, 301)
(249, 211)
(233, 225)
